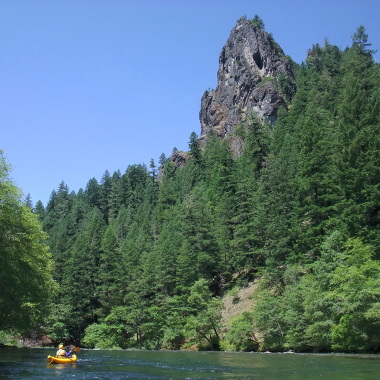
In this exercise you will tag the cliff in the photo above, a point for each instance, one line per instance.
(252, 70)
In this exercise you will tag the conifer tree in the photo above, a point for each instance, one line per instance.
(111, 272)
(39, 209)
(105, 190)
(80, 281)
(359, 126)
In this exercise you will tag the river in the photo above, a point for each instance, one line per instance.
(104, 364)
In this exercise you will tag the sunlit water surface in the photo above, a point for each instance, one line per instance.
(103, 364)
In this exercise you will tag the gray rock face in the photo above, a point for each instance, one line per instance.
(178, 158)
(250, 67)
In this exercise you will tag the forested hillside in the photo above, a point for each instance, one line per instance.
(144, 263)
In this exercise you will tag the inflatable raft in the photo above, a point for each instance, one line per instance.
(54, 359)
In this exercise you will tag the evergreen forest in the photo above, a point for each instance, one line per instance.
(143, 258)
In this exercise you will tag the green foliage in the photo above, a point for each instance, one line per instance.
(286, 86)
(267, 79)
(56, 322)
(10, 338)
(203, 325)
(194, 147)
(333, 304)
(98, 335)
(269, 317)
(356, 288)
(26, 264)
(258, 22)
(360, 41)
(240, 335)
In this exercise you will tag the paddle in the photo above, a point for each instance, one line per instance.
(51, 360)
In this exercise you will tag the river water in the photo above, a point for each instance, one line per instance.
(104, 364)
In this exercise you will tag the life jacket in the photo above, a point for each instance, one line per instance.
(61, 353)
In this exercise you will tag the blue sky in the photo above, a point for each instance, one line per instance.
(95, 85)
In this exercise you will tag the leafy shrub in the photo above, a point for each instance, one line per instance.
(98, 335)
(240, 335)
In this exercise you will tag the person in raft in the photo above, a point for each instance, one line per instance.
(68, 353)
(61, 353)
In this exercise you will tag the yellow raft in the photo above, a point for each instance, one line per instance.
(54, 359)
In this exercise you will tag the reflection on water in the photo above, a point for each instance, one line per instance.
(63, 366)
(103, 364)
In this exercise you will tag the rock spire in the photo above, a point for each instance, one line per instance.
(252, 67)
